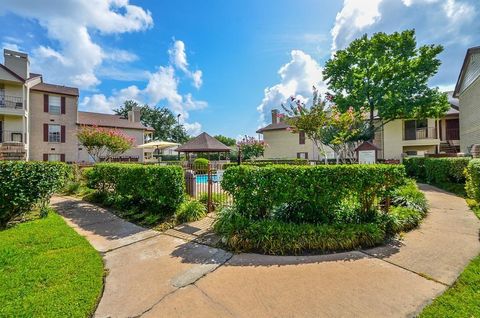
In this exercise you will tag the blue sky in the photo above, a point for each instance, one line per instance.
(222, 64)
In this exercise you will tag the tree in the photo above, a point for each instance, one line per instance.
(226, 140)
(251, 148)
(103, 143)
(160, 118)
(388, 75)
(327, 126)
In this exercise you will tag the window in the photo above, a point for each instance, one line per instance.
(54, 105)
(302, 155)
(54, 133)
(54, 157)
(301, 137)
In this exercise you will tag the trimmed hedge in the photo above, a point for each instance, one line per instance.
(437, 170)
(25, 184)
(472, 185)
(279, 238)
(265, 163)
(161, 188)
(311, 194)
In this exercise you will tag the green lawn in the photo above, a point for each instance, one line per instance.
(48, 270)
(463, 298)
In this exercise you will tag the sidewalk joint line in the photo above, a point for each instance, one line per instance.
(405, 268)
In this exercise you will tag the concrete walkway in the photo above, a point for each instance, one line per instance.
(170, 275)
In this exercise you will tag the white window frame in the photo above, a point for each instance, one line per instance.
(53, 134)
(54, 105)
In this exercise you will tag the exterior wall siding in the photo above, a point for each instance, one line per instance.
(470, 116)
(282, 144)
(38, 147)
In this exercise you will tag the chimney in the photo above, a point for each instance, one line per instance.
(17, 62)
(274, 116)
(134, 114)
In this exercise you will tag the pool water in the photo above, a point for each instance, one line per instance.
(203, 178)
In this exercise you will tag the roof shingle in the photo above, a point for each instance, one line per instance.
(108, 120)
(56, 89)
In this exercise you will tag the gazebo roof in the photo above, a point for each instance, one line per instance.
(203, 143)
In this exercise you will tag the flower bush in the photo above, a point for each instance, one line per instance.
(251, 148)
(25, 184)
(104, 143)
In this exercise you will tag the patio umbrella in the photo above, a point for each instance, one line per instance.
(158, 144)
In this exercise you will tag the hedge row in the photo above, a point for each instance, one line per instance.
(264, 163)
(162, 188)
(437, 170)
(310, 194)
(25, 184)
(472, 184)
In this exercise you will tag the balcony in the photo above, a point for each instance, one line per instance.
(11, 136)
(11, 102)
(452, 134)
(12, 146)
(424, 133)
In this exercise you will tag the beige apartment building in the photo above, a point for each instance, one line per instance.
(284, 144)
(39, 121)
(467, 91)
(404, 137)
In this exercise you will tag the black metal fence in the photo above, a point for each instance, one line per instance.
(203, 183)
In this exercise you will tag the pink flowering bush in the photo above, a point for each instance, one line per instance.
(251, 148)
(103, 142)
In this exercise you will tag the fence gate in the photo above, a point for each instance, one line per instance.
(203, 183)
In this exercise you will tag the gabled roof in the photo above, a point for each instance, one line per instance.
(109, 120)
(203, 143)
(56, 89)
(9, 71)
(463, 70)
(277, 126)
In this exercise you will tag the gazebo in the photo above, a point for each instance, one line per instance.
(203, 143)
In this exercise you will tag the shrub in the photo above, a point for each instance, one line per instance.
(404, 219)
(415, 167)
(159, 188)
(278, 238)
(218, 199)
(191, 210)
(409, 196)
(472, 185)
(25, 184)
(315, 193)
(445, 170)
(200, 165)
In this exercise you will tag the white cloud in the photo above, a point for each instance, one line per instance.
(160, 89)
(178, 58)
(11, 46)
(70, 24)
(447, 22)
(297, 78)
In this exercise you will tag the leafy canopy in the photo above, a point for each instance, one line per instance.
(161, 119)
(227, 141)
(251, 148)
(388, 74)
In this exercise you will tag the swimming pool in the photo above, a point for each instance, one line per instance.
(203, 178)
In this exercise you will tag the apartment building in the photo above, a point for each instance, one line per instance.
(39, 121)
(468, 92)
(408, 137)
(284, 144)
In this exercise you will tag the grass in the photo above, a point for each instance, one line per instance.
(463, 298)
(48, 270)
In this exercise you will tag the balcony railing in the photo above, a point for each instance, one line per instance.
(11, 102)
(420, 133)
(11, 136)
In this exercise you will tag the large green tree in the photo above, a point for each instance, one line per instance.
(226, 140)
(161, 119)
(388, 75)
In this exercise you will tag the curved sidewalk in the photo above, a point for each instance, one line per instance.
(159, 275)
